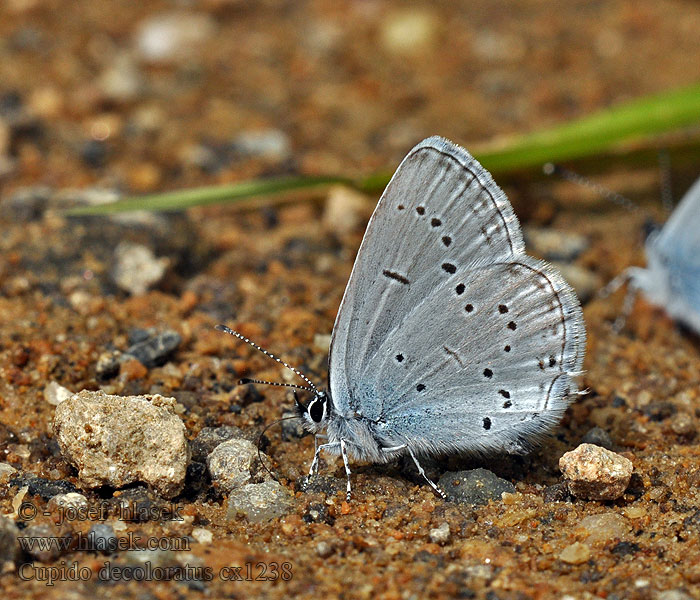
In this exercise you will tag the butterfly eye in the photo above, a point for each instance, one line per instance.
(316, 410)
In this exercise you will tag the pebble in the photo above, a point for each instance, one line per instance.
(173, 36)
(683, 425)
(575, 554)
(117, 440)
(345, 210)
(230, 463)
(594, 473)
(155, 349)
(441, 534)
(54, 393)
(6, 472)
(43, 553)
(209, 438)
(259, 502)
(202, 535)
(121, 81)
(555, 245)
(604, 527)
(476, 487)
(599, 437)
(9, 548)
(107, 365)
(71, 500)
(136, 268)
(102, 538)
(269, 144)
(157, 558)
(324, 549)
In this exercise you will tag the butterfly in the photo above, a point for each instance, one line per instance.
(449, 338)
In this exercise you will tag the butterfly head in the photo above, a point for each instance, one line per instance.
(314, 415)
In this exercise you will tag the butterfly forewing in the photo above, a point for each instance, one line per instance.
(441, 211)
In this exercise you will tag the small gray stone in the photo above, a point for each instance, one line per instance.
(101, 538)
(9, 547)
(259, 502)
(231, 463)
(210, 437)
(157, 558)
(598, 437)
(477, 486)
(154, 350)
(270, 144)
(441, 534)
(292, 428)
(116, 440)
(44, 551)
(594, 473)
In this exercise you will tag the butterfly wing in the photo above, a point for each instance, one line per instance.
(677, 249)
(443, 232)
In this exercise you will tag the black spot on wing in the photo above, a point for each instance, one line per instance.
(395, 276)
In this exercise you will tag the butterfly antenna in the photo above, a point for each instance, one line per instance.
(601, 190)
(311, 388)
(666, 186)
(259, 444)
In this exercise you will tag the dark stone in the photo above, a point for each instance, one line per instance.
(45, 488)
(476, 486)
(317, 512)
(625, 548)
(94, 154)
(599, 437)
(558, 492)
(659, 411)
(140, 504)
(154, 350)
(102, 538)
(321, 484)
(292, 428)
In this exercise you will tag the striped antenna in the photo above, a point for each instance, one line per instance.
(311, 388)
(552, 169)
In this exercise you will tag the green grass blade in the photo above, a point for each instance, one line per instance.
(217, 194)
(602, 132)
(630, 122)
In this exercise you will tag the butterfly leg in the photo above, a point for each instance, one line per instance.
(317, 453)
(344, 452)
(420, 469)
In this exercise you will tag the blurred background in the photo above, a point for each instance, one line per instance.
(146, 96)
